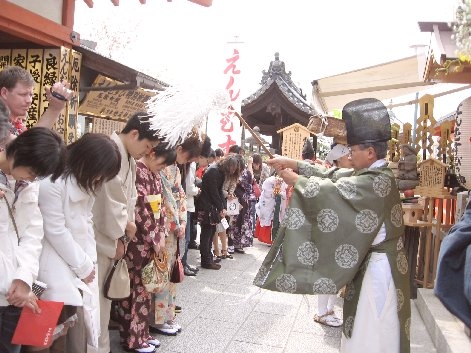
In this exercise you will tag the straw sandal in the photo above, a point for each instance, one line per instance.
(328, 319)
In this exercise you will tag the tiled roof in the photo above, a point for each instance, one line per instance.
(277, 75)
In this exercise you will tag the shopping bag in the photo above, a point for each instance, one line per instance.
(232, 207)
(91, 312)
(37, 329)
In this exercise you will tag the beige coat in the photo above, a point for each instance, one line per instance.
(115, 203)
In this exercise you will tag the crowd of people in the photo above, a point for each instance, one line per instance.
(69, 213)
(72, 211)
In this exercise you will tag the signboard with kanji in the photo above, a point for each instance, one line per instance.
(107, 126)
(293, 138)
(114, 104)
(48, 66)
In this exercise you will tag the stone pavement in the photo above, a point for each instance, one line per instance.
(224, 312)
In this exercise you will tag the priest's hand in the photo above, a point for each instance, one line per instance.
(280, 163)
(288, 176)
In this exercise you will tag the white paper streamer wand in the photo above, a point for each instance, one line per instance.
(177, 111)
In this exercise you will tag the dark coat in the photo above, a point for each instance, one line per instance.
(211, 191)
(453, 284)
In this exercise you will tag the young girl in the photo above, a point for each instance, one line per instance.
(68, 259)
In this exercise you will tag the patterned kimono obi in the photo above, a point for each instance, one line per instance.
(325, 239)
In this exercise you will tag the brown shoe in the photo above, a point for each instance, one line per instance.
(212, 266)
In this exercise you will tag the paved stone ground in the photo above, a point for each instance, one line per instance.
(224, 312)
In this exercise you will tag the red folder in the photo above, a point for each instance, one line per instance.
(37, 329)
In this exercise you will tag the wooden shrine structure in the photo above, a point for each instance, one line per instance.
(277, 104)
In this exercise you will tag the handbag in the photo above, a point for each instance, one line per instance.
(256, 189)
(178, 272)
(117, 284)
(154, 275)
(214, 216)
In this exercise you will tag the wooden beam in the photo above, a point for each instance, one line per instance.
(433, 95)
(68, 11)
(32, 27)
(373, 89)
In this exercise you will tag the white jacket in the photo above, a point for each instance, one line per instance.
(69, 248)
(19, 261)
(191, 189)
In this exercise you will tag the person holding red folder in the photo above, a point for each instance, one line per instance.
(37, 152)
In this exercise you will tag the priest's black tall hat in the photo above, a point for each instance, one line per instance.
(366, 120)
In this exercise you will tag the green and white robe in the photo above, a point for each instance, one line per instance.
(325, 239)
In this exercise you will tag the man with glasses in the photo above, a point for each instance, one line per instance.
(344, 227)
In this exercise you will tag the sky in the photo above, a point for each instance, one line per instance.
(179, 40)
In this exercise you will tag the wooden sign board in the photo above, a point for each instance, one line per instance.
(48, 66)
(114, 104)
(293, 138)
(107, 126)
(432, 178)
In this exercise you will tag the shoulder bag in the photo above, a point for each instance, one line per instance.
(117, 284)
(256, 189)
(154, 275)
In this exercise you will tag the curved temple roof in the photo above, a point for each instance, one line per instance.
(277, 75)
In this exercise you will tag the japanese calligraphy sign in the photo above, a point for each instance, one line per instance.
(74, 80)
(224, 127)
(113, 104)
(48, 66)
(107, 126)
(462, 142)
(293, 138)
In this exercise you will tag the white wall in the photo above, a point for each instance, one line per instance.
(50, 9)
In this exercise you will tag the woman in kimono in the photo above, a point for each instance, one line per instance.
(68, 259)
(174, 201)
(242, 226)
(150, 239)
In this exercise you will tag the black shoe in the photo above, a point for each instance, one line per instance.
(217, 260)
(193, 245)
(212, 266)
(178, 309)
(239, 250)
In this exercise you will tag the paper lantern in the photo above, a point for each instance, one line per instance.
(462, 141)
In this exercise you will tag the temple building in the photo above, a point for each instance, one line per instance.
(278, 103)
